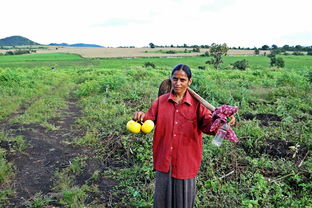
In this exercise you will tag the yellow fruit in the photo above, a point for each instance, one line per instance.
(147, 126)
(133, 126)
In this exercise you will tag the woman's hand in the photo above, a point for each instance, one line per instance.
(138, 116)
(232, 121)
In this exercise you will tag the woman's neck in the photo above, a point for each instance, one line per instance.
(178, 97)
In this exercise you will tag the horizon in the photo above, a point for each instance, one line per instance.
(147, 46)
(238, 23)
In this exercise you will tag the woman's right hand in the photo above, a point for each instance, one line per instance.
(138, 116)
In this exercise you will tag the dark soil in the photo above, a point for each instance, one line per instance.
(47, 153)
(265, 118)
(284, 149)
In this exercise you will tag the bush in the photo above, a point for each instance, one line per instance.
(149, 64)
(9, 53)
(310, 76)
(241, 65)
(206, 54)
(196, 49)
(202, 67)
(20, 52)
(309, 53)
(171, 52)
(280, 63)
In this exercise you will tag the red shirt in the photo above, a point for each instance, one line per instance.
(178, 134)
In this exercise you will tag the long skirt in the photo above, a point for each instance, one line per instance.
(173, 193)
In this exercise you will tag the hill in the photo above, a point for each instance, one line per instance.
(75, 45)
(16, 41)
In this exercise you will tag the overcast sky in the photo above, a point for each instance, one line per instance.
(114, 23)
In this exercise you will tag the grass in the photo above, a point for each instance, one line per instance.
(110, 90)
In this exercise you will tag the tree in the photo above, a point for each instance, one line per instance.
(152, 45)
(274, 47)
(278, 62)
(265, 47)
(298, 47)
(217, 51)
(286, 47)
(257, 52)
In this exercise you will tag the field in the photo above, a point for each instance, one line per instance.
(101, 52)
(63, 141)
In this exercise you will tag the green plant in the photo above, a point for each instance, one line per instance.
(241, 65)
(6, 170)
(39, 201)
(149, 64)
(217, 51)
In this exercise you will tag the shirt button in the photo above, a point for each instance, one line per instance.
(174, 135)
(171, 148)
(176, 122)
(177, 110)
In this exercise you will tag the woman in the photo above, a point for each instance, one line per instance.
(177, 145)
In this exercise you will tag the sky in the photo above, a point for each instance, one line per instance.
(114, 23)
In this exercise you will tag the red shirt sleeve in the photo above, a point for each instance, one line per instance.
(205, 120)
(151, 114)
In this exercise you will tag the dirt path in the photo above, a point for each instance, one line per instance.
(45, 153)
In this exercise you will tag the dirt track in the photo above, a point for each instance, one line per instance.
(46, 153)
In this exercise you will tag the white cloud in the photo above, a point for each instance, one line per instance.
(138, 22)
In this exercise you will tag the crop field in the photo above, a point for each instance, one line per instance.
(101, 52)
(64, 142)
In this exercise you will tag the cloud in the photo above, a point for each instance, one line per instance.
(244, 23)
(119, 22)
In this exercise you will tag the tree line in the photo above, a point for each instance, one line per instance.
(264, 47)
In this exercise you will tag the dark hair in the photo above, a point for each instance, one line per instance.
(183, 67)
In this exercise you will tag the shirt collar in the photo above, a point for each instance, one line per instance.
(186, 99)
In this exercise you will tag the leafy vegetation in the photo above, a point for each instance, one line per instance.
(271, 166)
(217, 51)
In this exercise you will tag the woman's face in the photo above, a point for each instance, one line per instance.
(180, 82)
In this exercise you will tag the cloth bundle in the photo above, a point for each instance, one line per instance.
(220, 116)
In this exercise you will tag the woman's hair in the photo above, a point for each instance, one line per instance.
(183, 67)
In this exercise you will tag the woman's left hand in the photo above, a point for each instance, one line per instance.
(232, 121)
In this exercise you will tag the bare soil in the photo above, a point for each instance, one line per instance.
(47, 153)
(264, 118)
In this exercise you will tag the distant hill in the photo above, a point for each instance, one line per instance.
(16, 41)
(75, 45)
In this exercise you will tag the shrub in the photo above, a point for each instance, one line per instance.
(196, 49)
(20, 52)
(310, 76)
(309, 53)
(280, 63)
(241, 65)
(149, 64)
(206, 54)
(171, 52)
(202, 67)
(9, 53)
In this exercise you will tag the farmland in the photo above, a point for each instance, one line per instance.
(63, 140)
(101, 52)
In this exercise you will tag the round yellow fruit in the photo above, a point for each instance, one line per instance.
(134, 126)
(147, 126)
